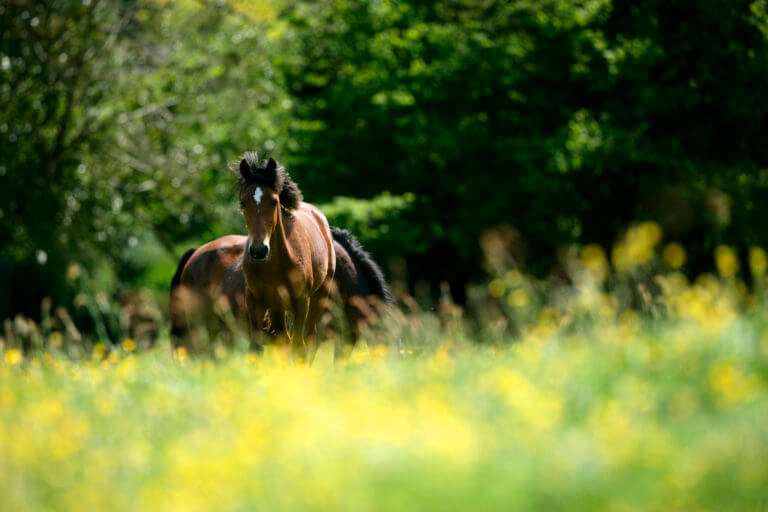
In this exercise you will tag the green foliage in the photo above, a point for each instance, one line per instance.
(121, 120)
(565, 119)
(59, 63)
(374, 219)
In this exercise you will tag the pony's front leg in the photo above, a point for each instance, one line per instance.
(256, 312)
(277, 325)
(316, 307)
(298, 339)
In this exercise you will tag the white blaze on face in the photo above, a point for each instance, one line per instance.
(257, 194)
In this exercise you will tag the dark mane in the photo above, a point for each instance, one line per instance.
(374, 277)
(268, 173)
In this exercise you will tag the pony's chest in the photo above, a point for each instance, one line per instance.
(278, 288)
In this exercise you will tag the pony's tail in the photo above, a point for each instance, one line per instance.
(374, 278)
(177, 328)
(176, 279)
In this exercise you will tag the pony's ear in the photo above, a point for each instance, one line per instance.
(272, 175)
(245, 169)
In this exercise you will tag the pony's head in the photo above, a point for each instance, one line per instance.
(265, 189)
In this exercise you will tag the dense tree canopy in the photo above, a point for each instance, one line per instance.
(121, 120)
(417, 124)
(567, 120)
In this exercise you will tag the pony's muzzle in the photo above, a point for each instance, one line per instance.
(258, 252)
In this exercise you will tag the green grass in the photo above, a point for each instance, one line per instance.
(617, 415)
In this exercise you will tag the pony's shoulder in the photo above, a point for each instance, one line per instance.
(314, 213)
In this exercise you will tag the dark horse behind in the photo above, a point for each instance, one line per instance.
(291, 262)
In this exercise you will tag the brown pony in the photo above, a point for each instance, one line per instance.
(289, 259)
(235, 268)
(213, 273)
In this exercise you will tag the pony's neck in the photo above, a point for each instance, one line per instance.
(280, 238)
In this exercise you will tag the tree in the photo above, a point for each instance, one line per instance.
(568, 120)
(120, 118)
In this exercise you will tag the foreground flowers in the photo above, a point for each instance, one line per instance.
(617, 416)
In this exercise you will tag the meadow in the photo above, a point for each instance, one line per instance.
(567, 198)
(577, 398)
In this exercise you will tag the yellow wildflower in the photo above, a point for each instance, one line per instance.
(650, 232)
(181, 354)
(758, 261)
(518, 298)
(99, 351)
(496, 288)
(55, 339)
(726, 261)
(220, 351)
(637, 246)
(594, 260)
(674, 255)
(13, 356)
(731, 384)
(129, 345)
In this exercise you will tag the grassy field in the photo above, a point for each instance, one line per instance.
(567, 399)
(624, 415)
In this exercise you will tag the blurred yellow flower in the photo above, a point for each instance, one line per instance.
(758, 261)
(726, 261)
(518, 298)
(594, 260)
(13, 356)
(129, 345)
(541, 408)
(220, 351)
(637, 247)
(708, 284)
(55, 339)
(731, 384)
(378, 352)
(549, 317)
(181, 354)
(650, 232)
(99, 351)
(674, 256)
(496, 288)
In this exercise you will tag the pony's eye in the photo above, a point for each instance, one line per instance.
(242, 204)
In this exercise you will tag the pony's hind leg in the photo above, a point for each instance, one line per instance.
(256, 313)
(317, 306)
(298, 339)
